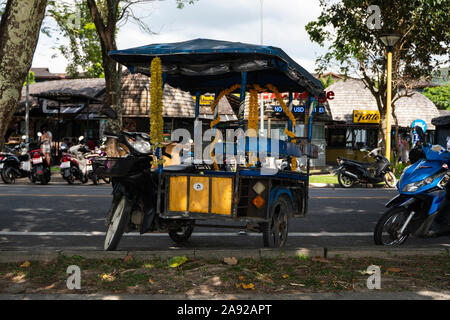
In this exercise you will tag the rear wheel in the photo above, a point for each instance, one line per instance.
(275, 232)
(390, 180)
(183, 233)
(69, 179)
(345, 181)
(8, 176)
(106, 179)
(389, 225)
(119, 220)
(84, 179)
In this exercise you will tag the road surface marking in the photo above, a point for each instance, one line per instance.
(195, 234)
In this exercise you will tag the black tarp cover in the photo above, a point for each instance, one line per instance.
(204, 65)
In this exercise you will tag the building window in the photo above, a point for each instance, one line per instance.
(352, 138)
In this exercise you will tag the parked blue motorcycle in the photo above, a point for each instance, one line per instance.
(422, 208)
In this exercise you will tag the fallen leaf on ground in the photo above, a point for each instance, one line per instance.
(128, 258)
(394, 270)
(241, 277)
(108, 277)
(150, 280)
(297, 284)
(231, 261)
(320, 259)
(26, 264)
(263, 277)
(249, 286)
(285, 276)
(177, 261)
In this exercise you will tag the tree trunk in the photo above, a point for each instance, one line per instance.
(113, 70)
(113, 77)
(19, 32)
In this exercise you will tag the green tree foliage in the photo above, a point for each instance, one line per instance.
(439, 95)
(357, 50)
(328, 81)
(83, 50)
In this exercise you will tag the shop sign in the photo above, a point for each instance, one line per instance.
(299, 109)
(420, 123)
(366, 116)
(205, 100)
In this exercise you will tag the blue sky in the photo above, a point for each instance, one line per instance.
(232, 20)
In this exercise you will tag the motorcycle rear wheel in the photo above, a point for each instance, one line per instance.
(386, 230)
(8, 176)
(344, 181)
(119, 220)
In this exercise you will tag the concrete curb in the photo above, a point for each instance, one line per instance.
(9, 256)
(365, 295)
(336, 185)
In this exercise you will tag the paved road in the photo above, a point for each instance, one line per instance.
(63, 216)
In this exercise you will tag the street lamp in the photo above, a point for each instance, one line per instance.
(261, 102)
(389, 40)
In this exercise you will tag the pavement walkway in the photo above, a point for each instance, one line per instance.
(369, 295)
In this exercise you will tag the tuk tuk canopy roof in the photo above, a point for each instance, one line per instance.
(208, 66)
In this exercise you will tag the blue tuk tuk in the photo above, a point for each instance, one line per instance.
(238, 179)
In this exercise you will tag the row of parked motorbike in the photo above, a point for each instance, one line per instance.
(76, 163)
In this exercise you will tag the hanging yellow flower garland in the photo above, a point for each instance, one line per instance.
(253, 115)
(290, 116)
(217, 120)
(155, 110)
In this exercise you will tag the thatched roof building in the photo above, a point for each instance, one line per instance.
(88, 88)
(135, 97)
(353, 95)
(176, 103)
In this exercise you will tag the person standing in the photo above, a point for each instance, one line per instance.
(405, 149)
(46, 145)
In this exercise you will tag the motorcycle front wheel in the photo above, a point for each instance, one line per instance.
(390, 180)
(119, 220)
(183, 233)
(387, 228)
(345, 181)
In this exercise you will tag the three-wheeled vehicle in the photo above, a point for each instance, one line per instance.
(237, 178)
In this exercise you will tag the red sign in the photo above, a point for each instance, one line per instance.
(301, 96)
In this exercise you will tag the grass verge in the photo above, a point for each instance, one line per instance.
(199, 276)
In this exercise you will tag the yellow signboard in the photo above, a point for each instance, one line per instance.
(205, 100)
(366, 116)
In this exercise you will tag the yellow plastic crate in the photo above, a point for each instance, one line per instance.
(206, 194)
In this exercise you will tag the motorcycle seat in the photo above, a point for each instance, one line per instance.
(363, 164)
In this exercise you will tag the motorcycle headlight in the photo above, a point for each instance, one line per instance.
(140, 145)
(444, 180)
(413, 187)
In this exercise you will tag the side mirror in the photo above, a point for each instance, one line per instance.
(420, 133)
